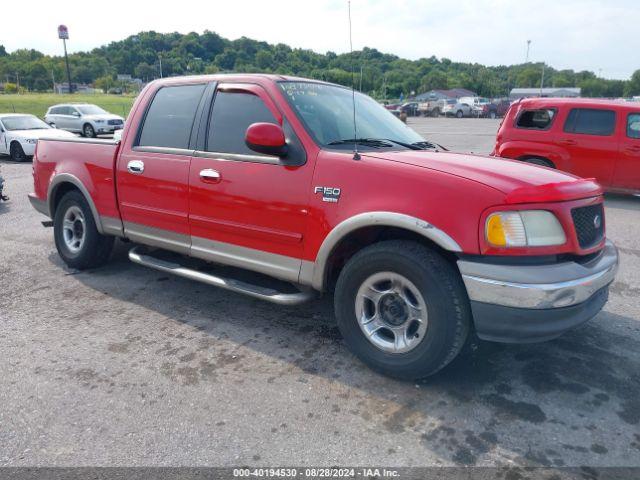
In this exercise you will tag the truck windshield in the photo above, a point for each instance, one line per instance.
(26, 122)
(327, 113)
(91, 110)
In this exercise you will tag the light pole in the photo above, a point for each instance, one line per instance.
(528, 45)
(63, 34)
(160, 60)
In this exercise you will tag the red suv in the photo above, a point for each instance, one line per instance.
(590, 138)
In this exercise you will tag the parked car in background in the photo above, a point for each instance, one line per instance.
(19, 134)
(421, 247)
(495, 109)
(85, 119)
(432, 108)
(590, 138)
(410, 108)
(458, 109)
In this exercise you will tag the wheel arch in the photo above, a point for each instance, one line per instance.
(365, 229)
(64, 183)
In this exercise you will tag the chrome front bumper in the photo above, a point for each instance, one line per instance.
(539, 286)
(520, 303)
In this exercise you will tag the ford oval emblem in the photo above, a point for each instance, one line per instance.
(597, 221)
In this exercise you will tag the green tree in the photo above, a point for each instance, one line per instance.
(632, 87)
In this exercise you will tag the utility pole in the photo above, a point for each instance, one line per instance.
(528, 46)
(542, 80)
(160, 60)
(63, 34)
(53, 82)
(361, 78)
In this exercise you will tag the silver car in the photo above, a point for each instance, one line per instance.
(457, 109)
(86, 119)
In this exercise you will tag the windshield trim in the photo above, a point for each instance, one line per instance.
(340, 147)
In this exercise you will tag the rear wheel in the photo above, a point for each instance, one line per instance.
(402, 309)
(17, 153)
(543, 162)
(88, 131)
(77, 239)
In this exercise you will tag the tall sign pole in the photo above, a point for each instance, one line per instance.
(63, 34)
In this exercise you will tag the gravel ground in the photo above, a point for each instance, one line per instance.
(126, 366)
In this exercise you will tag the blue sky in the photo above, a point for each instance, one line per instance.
(601, 36)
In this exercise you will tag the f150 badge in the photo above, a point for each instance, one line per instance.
(329, 194)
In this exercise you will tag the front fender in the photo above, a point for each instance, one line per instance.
(314, 273)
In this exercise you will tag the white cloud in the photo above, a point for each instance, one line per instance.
(578, 34)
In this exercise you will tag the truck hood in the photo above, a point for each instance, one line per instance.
(520, 182)
(40, 133)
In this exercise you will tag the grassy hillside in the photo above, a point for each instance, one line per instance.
(37, 103)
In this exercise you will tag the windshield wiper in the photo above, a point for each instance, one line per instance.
(370, 142)
(429, 146)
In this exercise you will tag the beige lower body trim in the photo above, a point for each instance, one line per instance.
(272, 264)
(111, 226)
(157, 237)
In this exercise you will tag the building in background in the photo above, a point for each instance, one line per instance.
(77, 88)
(568, 92)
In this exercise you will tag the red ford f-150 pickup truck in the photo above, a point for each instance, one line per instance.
(420, 246)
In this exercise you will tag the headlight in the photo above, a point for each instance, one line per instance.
(526, 228)
(31, 140)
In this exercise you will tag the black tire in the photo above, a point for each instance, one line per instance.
(543, 162)
(88, 131)
(447, 304)
(459, 114)
(17, 153)
(435, 112)
(95, 249)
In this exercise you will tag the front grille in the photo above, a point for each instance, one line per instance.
(589, 224)
(115, 122)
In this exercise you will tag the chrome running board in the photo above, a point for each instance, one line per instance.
(140, 256)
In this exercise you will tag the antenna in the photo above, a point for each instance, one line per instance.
(356, 155)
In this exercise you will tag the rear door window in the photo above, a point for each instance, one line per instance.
(170, 117)
(590, 121)
(231, 115)
(633, 125)
(539, 119)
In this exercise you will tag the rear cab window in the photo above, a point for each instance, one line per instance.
(536, 119)
(169, 119)
(591, 121)
(633, 125)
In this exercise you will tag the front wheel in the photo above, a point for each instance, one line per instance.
(17, 153)
(459, 114)
(88, 131)
(77, 239)
(402, 309)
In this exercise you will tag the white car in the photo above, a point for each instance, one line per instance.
(19, 134)
(85, 119)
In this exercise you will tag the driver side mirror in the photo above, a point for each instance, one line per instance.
(76, 114)
(267, 138)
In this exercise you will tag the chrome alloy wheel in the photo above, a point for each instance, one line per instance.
(391, 312)
(73, 229)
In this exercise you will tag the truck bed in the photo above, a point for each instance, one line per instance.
(90, 161)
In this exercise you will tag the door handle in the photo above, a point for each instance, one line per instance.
(568, 142)
(135, 166)
(210, 175)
